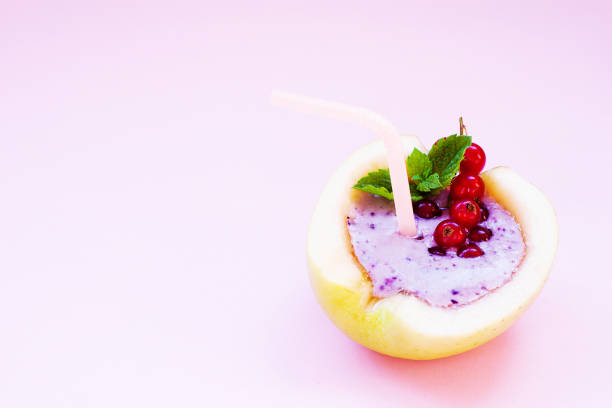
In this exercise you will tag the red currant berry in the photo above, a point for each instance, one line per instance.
(479, 234)
(467, 187)
(427, 209)
(449, 234)
(485, 213)
(466, 213)
(437, 250)
(469, 251)
(473, 160)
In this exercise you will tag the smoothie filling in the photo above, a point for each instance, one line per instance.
(399, 264)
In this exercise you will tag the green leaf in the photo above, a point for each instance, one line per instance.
(418, 165)
(376, 182)
(379, 191)
(430, 183)
(415, 195)
(379, 183)
(446, 155)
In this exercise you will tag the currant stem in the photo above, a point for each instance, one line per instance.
(462, 127)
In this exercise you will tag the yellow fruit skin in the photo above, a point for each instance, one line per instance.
(403, 326)
(382, 331)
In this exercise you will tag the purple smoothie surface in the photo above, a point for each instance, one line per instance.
(400, 264)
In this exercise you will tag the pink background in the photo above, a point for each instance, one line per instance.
(154, 206)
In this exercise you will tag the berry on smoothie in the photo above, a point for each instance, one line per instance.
(470, 251)
(480, 234)
(427, 209)
(449, 234)
(466, 213)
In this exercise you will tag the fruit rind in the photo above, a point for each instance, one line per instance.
(404, 326)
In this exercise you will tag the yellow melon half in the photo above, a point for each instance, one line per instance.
(404, 326)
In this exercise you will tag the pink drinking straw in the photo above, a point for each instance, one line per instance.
(383, 128)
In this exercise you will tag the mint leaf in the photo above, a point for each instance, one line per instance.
(415, 195)
(419, 168)
(379, 183)
(376, 182)
(430, 183)
(418, 165)
(446, 155)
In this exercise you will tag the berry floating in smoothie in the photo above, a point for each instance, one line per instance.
(420, 254)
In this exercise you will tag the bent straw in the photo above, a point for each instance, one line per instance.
(383, 128)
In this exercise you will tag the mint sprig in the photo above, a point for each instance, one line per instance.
(429, 173)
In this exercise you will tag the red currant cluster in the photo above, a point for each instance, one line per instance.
(466, 213)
